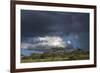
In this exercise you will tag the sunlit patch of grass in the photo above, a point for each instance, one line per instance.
(65, 56)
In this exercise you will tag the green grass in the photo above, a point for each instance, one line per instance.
(45, 57)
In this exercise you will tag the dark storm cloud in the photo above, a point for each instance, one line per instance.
(39, 23)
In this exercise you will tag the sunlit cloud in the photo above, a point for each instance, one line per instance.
(47, 41)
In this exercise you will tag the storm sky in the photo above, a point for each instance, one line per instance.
(67, 25)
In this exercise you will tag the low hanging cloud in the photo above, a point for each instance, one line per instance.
(44, 42)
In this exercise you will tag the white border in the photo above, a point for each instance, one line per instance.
(58, 63)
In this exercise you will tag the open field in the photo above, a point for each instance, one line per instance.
(55, 56)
